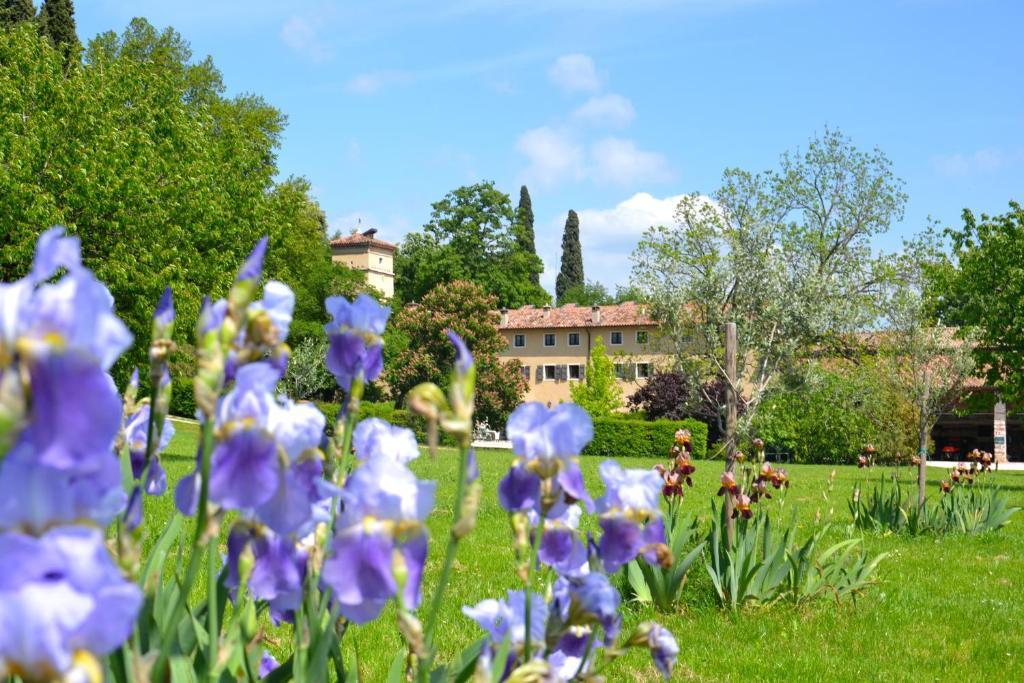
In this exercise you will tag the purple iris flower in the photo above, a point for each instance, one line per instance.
(507, 618)
(61, 595)
(664, 649)
(278, 302)
(34, 496)
(301, 501)
(384, 507)
(211, 314)
(252, 269)
(630, 515)
(546, 441)
(163, 316)
(136, 432)
(377, 438)
(244, 468)
(267, 664)
(278, 570)
(561, 546)
(587, 600)
(54, 250)
(354, 335)
(463, 358)
(298, 427)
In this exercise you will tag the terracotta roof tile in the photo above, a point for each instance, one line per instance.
(359, 240)
(570, 315)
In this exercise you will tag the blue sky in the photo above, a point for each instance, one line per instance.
(613, 108)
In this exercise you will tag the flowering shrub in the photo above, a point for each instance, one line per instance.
(320, 532)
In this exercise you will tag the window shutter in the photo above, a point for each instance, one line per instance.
(563, 372)
(540, 373)
(583, 370)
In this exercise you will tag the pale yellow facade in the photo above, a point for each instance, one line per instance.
(555, 358)
(378, 263)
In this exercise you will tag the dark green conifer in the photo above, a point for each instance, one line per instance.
(14, 12)
(571, 274)
(524, 228)
(57, 22)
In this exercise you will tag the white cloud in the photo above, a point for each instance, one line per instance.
(552, 155)
(618, 161)
(372, 83)
(609, 110)
(575, 73)
(302, 36)
(629, 217)
(982, 161)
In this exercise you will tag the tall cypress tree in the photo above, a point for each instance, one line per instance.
(57, 22)
(16, 11)
(524, 223)
(572, 258)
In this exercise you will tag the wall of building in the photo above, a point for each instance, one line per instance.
(377, 263)
(534, 354)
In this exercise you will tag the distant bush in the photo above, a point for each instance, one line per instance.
(615, 437)
(183, 399)
(385, 411)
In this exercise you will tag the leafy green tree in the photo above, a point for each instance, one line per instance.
(929, 364)
(57, 22)
(471, 236)
(524, 229)
(571, 274)
(785, 255)
(168, 181)
(14, 12)
(598, 393)
(586, 294)
(464, 307)
(982, 288)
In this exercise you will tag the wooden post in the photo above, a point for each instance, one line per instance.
(731, 409)
(922, 450)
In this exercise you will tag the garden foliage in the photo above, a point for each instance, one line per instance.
(962, 509)
(616, 436)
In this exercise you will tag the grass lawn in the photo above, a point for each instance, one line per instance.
(944, 609)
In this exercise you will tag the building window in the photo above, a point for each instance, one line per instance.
(574, 339)
(643, 370)
(620, 371)
(526, 372)
(549, 372)
(641, 336)
(519, 341)
(574, 372)
(549, 339)
(616, 339)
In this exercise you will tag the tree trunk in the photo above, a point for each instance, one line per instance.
(731, 405)
(922, 449)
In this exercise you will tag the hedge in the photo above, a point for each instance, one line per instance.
(616, 437)
(386, 411)
(183, 398)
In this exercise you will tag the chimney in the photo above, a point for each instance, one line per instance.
(370, 233)
(595, 315)
(547, 311)
(504, 316)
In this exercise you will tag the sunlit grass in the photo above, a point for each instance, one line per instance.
(944, 609)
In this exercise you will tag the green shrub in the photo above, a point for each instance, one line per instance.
(385, 411)
(617, 437)
(183, 398)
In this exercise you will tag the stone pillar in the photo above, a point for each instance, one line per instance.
(999, 432)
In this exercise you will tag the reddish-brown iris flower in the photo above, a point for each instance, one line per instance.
(729, 484)
(741, 506)
(945, 486)
(862, 461)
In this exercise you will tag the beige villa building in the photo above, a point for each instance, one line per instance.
(553, 344)
(363, 251)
